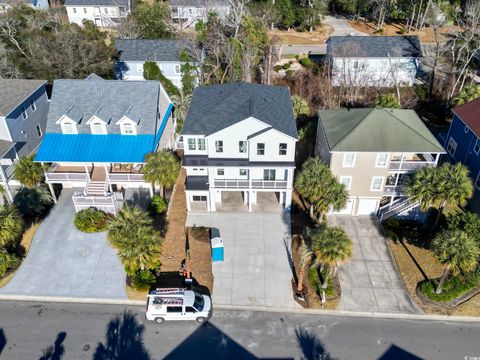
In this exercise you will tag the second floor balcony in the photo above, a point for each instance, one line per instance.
(411, 162)
(250, 184)
(114, 173)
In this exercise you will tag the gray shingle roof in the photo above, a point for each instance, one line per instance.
(109, 100)
(5, 146)
(124, 3)
(146, 49)
(14, 91)
(374, 46)
(198, 3)
(216, 107)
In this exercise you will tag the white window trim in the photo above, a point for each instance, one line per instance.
(454, 142)
(175, 66)
(240, 172)
(373, 182)
(24, 113)
(349, 181)
(476, 180)
(125, 120)
(477, 142)
(38, 129)
(386, 160)
(220, 169)
(74, 127)
(280, 149)
(218, 146)
(262, 149)
(466, 129)
(199, 144)
(194, 144)
(33, 106)
(353, 162)
(240, 146)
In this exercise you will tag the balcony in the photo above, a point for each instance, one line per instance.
(117, 173)
(59, 173)
(247, 184)
(108, 203)
(412, 162)
(392, 190)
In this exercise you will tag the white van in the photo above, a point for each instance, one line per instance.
(165, 304)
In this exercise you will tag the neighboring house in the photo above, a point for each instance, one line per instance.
(239, 137)
(463, 143)
(186, 13)
(35, 4)
(374, 152)
(134, 52)
(103, 13)
(373, 60)
(98, 133)
(23, 117)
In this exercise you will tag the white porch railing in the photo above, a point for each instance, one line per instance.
(409, 165)
(253, 184)
(233, 184)
(107, 203)
(394, 190)
(65, 177)
(269, 184)
(398, 209)
(125, 177)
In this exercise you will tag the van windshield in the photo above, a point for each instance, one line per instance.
(198, 304)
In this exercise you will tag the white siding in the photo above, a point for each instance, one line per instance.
(272, 140)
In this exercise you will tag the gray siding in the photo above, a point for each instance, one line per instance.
(321, 147)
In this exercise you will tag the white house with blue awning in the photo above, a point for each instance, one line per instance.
(98, 133)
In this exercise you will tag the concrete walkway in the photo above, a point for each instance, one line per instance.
(63, 261)
(369, 280)
(341, 27)
(256, 270)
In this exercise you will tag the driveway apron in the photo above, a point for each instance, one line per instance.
(63, 261)
(370, 281)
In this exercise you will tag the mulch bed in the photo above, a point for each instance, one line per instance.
(200, 256)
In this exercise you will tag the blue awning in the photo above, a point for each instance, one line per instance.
(95, 148)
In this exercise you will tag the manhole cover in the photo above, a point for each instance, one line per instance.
(86, 347)
(83, 251)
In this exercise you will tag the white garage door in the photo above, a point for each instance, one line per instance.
(367, 207)
(347, 210)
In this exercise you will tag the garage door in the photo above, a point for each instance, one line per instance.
(347, 210)
(367, 207)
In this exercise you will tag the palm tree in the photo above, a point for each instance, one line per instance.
(161, 167)
(32, 201)
(331, 246)
(28, 172)
(2, 194)
(307, 254)
(456, 251)
(137, 242)
(316, 183)
(182, 103)
(437, 187)
(11, 225)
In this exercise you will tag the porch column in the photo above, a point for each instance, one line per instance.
(150, 188)
(211, 199)
(52, 191)
(86, 170)
(187, 199)
(288, 199)
(437, 157)
(245, 197)
(6, 186)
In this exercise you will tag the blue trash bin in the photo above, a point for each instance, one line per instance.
(217, 246)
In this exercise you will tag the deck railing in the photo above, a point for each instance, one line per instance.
(408, 165)
(254, 184)
(125, 177)
(67, 176)
(107, 203)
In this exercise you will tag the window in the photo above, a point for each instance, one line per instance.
(174, 309)
(452, 147)
(177, 69)
(39, 130)
(466, 129)
(24, 114)
(98, 128)
(347, 181)
(282, 149)
(477, 181)
(219, 146)
(476, 148)
(69, 128)
(140, 68)
(242, 147)
(33, 106)
(260, 149)
(377, 182)
(243, 172)
(268, 174)
(191, 144)
(349, 159)
(221, 172)
(128, 129)
(201, 144)
(84, 10)
(74, 10)
(190, 309)
(199, 198)
(382, 159)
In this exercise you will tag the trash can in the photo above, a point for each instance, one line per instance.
(217, 245)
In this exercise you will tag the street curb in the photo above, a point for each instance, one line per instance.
(363, 314)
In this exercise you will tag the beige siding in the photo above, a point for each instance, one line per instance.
(322, 149)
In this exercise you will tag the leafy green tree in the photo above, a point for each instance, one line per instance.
(439, 186)
(182, 103)
(162, 168)
(300, 106)
(316, 183)
(32, 201)
(28, 172)
(331, 246)
(468, 93)
(388, 101)
(456, 251)
(137, 242)
(466, 221)
(7, 261)
(11, 225)
(151, 71)
(142, 280)
(188, 71)
(285, 13)
(158, 205)
(152, 20)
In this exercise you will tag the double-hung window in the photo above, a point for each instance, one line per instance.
(219, 146)
(192, 145)
(282, 149)
(346, 181)
(201, 144)
(242, 147)
(33, 105)
(243, 172)
(39, 130)
(269, 174)
(349, 159)
(260, 149)
(377, 182)
(382, 159)
(221, 172)
(24, 114)
(452, 146)
(476, 148)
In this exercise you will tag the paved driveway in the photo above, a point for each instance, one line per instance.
(370, 281)
(342, 27)
(65, 262)
(256, 269)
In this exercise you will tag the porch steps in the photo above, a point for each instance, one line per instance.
(96, 188)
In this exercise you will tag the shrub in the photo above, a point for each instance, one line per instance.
(91, 220)
(316, 278)
(453, 287)
(11, 225)
(33, 201)
(289, 72)
(157, 205)
(379, 31)
(286, 66)
(277, 68)
(7, 261)
(306, 62)
(142, 280)
(402, 31)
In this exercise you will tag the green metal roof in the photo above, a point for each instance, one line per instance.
(376, 130)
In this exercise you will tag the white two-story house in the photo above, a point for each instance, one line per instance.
(187, 13)
(103, 13)
(381, 61)
(241, 138)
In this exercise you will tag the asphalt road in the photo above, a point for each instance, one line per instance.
(76, 331)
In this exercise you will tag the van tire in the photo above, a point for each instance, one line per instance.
(159, 320)
(200, 320)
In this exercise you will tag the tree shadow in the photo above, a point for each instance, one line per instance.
(56, 350)
(124, 340)
(311, 346)
(3, 340)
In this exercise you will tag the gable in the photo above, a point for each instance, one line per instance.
(242, 129)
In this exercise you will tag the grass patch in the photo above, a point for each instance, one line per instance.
(453, 288)
(316, 279)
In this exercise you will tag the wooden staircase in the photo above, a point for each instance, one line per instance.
(97, 185)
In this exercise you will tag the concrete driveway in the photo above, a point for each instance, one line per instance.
(370, 281)
(63, 261)
(256, 270)
(341, 27)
